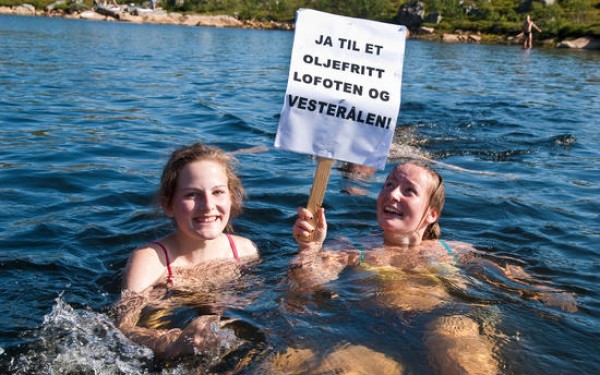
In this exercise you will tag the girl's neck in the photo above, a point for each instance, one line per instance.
(402, 240)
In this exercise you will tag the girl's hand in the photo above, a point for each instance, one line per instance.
(308, 232)
(199, 335)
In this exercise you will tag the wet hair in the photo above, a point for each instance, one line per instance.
(437, 197)
(198, 152)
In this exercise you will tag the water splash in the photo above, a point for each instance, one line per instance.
(80, 342)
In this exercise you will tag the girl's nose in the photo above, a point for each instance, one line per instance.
(205, 201)
(396, 193)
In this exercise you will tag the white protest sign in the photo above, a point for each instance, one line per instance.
(343, 93)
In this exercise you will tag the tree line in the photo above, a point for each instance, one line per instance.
(557, 18)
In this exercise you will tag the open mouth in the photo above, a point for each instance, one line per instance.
(392, 211)
(206, 219)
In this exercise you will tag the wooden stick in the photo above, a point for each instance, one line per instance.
(317, 191)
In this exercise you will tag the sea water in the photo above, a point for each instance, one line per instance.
(89, 112)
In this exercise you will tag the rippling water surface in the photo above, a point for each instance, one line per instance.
(89, 112)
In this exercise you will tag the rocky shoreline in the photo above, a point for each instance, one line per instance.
(587, 43)
(159, 16)
(144, 15)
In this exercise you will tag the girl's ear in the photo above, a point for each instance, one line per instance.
(432, 216)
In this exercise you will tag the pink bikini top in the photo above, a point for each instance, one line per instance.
(164, 249)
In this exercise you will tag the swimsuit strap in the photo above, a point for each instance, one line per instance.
(233, 248)
(170, 276)
(449, 250)
(361, 253)
(447, 247)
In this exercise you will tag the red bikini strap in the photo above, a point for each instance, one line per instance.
(233, 248)
(170, 276)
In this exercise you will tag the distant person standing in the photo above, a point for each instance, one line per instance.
(528, 27)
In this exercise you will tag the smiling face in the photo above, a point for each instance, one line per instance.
(201, 203)
(403, 205)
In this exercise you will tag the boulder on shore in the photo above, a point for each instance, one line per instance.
(461, 38)
(88, 15)
(24, 10)
(580, 43)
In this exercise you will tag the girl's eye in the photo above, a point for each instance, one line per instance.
(410, 191)
(219, 192)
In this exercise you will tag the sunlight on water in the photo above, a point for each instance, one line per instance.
(85, 130)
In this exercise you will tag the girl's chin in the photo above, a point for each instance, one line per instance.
(209, 232)
(393, 227)
(392, 221)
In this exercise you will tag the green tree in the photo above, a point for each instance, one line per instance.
(549, 18)
(370, 9)
(579, 10)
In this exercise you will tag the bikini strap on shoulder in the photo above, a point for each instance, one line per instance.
(170, 272)
(447, 247)
(449, 250)
(233, 248)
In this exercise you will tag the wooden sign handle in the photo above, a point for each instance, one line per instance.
(317, 191)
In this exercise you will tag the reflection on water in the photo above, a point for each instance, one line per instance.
(85, 130)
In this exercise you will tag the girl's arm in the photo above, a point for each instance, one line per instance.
(200, 334)
(515, 278)
(127, 312)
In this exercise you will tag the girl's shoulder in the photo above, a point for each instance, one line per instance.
(456, 246)
(441, 247)
(245, 247)
(149, 254)
(145, 266)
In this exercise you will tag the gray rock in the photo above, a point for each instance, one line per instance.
(580, 43)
